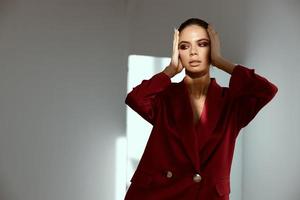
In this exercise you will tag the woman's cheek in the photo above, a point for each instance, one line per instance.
(182, 57)
(207, 55)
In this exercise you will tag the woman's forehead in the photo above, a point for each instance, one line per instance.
(193, 32)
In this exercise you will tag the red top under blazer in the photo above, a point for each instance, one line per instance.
(184, 161)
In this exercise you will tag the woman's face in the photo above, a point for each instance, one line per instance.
(194, 49)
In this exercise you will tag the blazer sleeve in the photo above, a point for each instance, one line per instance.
(142, 98)
(250, 92)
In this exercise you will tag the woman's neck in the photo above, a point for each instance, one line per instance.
(197, 84)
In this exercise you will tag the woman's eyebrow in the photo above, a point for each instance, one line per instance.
(205, 39)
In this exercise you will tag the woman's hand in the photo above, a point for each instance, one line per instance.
(215, 52)
(215, 47)
(175, 65)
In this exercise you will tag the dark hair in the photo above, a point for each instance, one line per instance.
(193, 21)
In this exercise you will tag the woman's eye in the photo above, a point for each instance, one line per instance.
(183, 47)
(203, 44)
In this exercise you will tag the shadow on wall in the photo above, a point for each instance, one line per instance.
(5, 192)
(6, 6)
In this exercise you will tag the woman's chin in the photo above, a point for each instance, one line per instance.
(197, 69)
(196, 72)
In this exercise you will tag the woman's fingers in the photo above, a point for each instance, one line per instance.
(174, 43)
(175, 48)
(215, 44)
(175, 61)
(175, 65)
(211, 29)
(212, 34)
(174, 40)
(179, 63)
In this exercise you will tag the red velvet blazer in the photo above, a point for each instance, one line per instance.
(184, 161)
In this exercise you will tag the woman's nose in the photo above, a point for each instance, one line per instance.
(193, 51)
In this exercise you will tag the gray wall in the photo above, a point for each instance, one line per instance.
(272, 141)
(63, 83)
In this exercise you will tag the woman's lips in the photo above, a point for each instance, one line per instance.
(195, 62)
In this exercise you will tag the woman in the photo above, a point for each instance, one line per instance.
(195, 122)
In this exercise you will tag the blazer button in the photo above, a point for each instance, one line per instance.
(169, 174)
(197, 178)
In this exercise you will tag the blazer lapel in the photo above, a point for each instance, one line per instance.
(190, 137)
(184, 122)
(211, 114)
